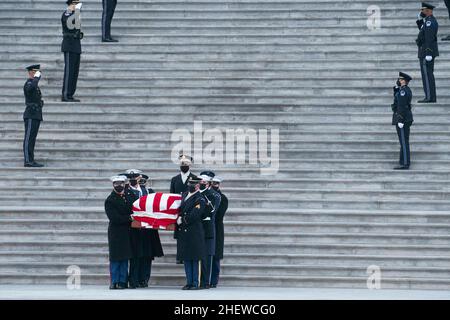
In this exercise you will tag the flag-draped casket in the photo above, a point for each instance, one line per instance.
(157, 210)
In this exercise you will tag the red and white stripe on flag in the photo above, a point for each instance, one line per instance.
(157, 210)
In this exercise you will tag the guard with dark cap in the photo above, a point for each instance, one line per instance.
(403, 118)
(109, 6)
(220, 232)
(71, 47)
(191, 246)
(32, 116)
(427, 50)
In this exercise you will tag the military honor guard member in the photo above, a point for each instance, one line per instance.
(403, 118)
(213, 202)
(109, 6)
(220, 232)
(32, 116)
(71, 47)
(179, 183)
(191, 247)
(427, 50)
(118, 209)
(145, 243)
(447, 4)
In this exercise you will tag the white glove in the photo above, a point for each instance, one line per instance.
(37, 74)
(428, 58)
(400, 125)
(179, 220)
(78, 6)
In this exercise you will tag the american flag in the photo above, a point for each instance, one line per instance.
(157, 210)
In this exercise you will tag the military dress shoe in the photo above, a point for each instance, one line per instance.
(33, 165)
(110, 40)
(426, 101)
(401, 168)
(186, 287)
(113, 286)
(70, 100)
(213, 286)
(447, 38)
(121, 285)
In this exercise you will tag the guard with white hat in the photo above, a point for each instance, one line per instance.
(213, 202)
(179, 183)
(118, 209)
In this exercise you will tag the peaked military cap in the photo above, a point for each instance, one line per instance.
(427, 6)
(33, 67)
(402, 75)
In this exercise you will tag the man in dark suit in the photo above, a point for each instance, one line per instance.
(71, 47)
(32, 115)
(427, 50)
(402, 118)
(191, 240)
(118, 210)
(220, 232)
(178, 184)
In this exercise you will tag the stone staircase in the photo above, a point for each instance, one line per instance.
(311, 69)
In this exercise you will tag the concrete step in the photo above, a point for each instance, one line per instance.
(249, 214)
(334, 238)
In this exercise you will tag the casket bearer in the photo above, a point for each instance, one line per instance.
(118, 210)
(213, 202)
(191, 247)
(145, 243)
(220, 233)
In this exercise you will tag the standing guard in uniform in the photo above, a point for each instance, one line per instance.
(447, 4)
(118, 210)
(213, 202)
(178, 184)
(146, 244)
(109, 6)
(71, 47)
(191, 247)
(220, 233)
(427, 50)
(403, 118)
(32, 115)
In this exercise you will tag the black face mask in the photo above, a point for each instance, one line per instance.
(191, 189)
(133, 182)
(422, 15)
(202, 187)
(215, 188)
(119, 189)
(184, 169)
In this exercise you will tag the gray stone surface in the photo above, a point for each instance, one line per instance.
(319, 76)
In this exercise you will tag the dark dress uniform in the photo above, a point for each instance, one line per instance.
(146, 245)
(32, 118)
(191, 247)
(109, 6)
(177, 186)
(71, 47)
(118, 210)
(220, 239)
(212, 198)
(427, 46)
(402, 114)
